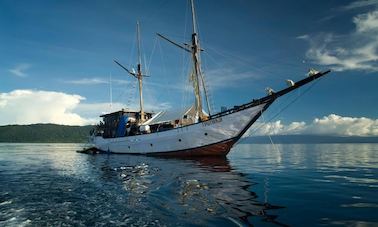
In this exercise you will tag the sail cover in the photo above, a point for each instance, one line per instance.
(171, 115)
(121, 129)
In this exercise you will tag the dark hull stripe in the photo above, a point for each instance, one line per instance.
(217, 149)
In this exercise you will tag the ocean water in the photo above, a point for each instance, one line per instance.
(260, 185)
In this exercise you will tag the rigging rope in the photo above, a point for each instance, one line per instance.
(152, 54)
(131, 55)
(240, 60)
(289, 104)
(207, 88)
(132, 95)
(270, 138)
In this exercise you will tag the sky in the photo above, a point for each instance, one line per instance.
(56, 60)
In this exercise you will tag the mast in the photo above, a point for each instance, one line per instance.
(139, 77)
(197, 77)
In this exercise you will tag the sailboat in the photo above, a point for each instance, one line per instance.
(195, 132)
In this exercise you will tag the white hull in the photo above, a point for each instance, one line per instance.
(209, 136)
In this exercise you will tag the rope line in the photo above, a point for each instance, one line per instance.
(289, 104)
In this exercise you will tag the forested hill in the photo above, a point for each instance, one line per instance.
(308, 139)
(44, 133)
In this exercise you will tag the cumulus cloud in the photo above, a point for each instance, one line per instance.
(35, 106)
(19, 70)
(328, 125)
(89, 109)
(30, 106)
(277, 128)
(357, 50)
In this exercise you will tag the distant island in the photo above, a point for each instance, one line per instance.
(308, 139)
(53, 133)
(44, 133)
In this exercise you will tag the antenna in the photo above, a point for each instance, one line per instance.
(138, 39)
(193, 17)
(110, 91)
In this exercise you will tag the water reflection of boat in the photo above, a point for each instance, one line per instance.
(213, 164)
(232, 191)
(191, 191)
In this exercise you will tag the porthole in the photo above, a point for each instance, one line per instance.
(205, 133)
(151, 144)
(179, 140)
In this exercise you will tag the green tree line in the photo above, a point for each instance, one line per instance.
(44, 133)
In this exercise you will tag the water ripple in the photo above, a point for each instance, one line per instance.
(51, 184)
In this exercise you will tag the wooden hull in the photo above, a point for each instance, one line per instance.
(219, 149)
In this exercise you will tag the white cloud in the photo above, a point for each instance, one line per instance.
(92, 110)
(328, 125)
(19, 70)
(87, 81)
(350, 126)
(355, 51)
(35, 106)
(31, 106)
(360, 4)
(366, 23)
(120, 82)
(277, 128)
(305, 37)
(96, 81)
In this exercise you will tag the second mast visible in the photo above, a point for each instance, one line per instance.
(139, 76)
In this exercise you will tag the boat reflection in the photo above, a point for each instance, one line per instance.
(197, 190)
(213, 164)
(231, 190)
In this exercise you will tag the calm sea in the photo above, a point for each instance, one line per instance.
(260, 185)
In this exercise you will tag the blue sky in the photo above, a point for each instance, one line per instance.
(65, 50)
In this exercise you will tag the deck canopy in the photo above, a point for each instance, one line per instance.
(132, 114)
